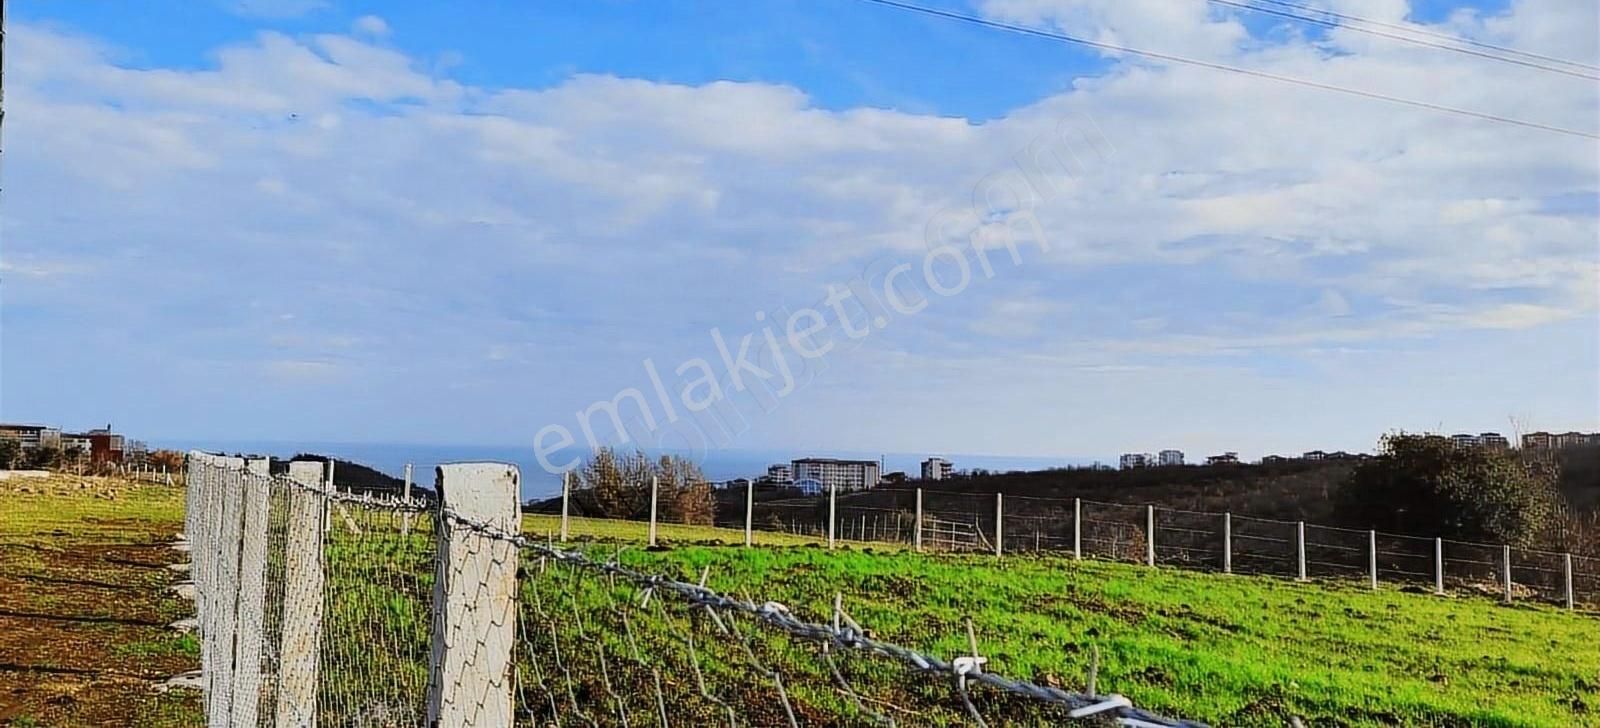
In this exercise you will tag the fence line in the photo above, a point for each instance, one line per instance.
(1152, 535)
(323, 608)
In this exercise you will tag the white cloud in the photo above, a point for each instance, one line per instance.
(339, 184)
(370, 25)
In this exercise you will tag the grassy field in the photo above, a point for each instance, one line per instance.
(81, 642)
(84, 608)
(1229, 650)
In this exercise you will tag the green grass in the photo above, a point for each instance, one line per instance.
(610, 530)
(1229, 650)
(135, 511)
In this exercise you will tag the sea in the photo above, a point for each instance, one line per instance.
(538, 483)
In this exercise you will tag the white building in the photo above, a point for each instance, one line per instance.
(841, 474)
(935, 469)
(780, 475)
(1170, 457)
(1132, 460)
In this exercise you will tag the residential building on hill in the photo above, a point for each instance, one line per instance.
(935, 469)
(1131, 460)
(842, 474)
(1167, 458)
(31, 436)
(1547, 441)
(1227, 458)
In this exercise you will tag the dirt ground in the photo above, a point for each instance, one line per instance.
(84, 609)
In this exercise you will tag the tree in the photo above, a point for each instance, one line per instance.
(171, 460)
(10, 453)
(618, 486)
(1425, 484)
(46, 457)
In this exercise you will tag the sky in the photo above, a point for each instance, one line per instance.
(319, 220)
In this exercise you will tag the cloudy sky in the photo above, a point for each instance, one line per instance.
(413, 222)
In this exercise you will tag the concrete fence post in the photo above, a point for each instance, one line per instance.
(1372, 559)
(916, 529)
(999, 525)
(749, 512)
(300, 643)
(1300, 549)
(474, 598)
(566, 497)
(1566, 568)
(405, 520)
(833, 505)
(1438, 565)
(255, 493)
(655, 501)
(225, 591)
(1150, 535)
(1505, 570)
(1077, 529)
(1227, 543)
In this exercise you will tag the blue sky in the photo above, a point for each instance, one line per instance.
(301, 220)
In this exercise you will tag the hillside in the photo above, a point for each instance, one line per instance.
(1227, 650)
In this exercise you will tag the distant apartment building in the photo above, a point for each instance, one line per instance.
(1167, 458)
(830, 473)
(1493, 441)
(1227, 458)
(935, 469)
(1313, 455)
(1562, 441)
(74, 441)
(106, 446)
(1486, 440)
(1131, 460)
(31, 436)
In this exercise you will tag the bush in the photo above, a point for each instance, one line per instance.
(618, 486)
(1424, 484)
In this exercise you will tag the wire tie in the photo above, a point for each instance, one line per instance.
(1111, 702)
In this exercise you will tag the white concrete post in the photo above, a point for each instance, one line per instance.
(1150, 535)
(300, 647)
(655, 492)
(1505, 570)
(1300, 549)
(1077, 529)
(833, 504)
(749, 512)
(255, 493)
(916, 530)
(1227, 543)
(1372, 559)
(225, 591)
(405, 520)
(474, 598)
(1438, 565)
(1566, 568)
(999, 525)
(566, 496)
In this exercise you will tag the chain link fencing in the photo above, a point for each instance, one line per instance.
(322, 608)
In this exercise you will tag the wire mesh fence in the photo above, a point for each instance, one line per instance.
(325, 608)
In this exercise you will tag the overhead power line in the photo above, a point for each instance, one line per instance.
(1405, 39)
(1431, 34)
(1049, 35)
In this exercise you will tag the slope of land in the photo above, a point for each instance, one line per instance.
(1229, 650)
(84, 605)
